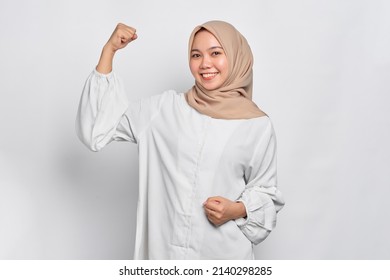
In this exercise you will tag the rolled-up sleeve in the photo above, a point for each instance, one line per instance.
(261, 197)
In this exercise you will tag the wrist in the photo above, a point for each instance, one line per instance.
(108, 50)
(239, 210)
(106, 59)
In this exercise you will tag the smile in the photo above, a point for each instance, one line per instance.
(209, 76)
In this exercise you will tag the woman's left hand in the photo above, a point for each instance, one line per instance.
(219, 210)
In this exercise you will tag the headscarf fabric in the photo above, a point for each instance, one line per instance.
(233, 100)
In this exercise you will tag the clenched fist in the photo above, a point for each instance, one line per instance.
(121, 36)
(119, 39)
(220, 210)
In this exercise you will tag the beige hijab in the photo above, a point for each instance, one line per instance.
(233, 100)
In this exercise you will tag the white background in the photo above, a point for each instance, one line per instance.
(322, 72)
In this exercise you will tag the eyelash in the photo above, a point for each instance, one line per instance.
(215, 53)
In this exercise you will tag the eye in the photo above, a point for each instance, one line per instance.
(195, 55)
(216, 53)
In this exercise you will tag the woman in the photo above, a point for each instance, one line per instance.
(207, 162)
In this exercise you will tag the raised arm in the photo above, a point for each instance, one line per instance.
(119, 39)
(101, 116)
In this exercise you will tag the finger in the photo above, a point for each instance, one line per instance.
(125, 39)
(214, 221)
(129, 32)
(133, 36)
(212, 215)
(210, 211)
(213, 200)
(213, 205)
(130, 35)
(124, 30)
(124, 26)
(129, 29)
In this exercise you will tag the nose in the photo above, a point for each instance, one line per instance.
(206, 63)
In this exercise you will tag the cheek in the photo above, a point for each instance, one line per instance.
(193, 68)
(223, 66)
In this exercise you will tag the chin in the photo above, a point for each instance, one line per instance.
(209, 86)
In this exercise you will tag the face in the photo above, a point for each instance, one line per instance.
(208, 62)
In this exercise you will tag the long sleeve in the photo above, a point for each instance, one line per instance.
(261, 197)
(105, 115)
(101, 113)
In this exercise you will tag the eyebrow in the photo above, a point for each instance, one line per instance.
(212, 48)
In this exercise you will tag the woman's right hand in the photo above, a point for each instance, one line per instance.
(121, 36)
(119, 39)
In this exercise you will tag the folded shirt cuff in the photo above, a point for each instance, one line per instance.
(241, 222)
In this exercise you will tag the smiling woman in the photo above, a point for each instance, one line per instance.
(207, 174)
(208, 62)
(221, 62)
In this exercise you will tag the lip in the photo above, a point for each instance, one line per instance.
(209, 75)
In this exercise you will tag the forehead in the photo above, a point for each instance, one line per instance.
(204, 39)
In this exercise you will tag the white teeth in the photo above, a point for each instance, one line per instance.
(208, 75)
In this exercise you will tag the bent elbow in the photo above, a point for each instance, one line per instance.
(92, 143)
